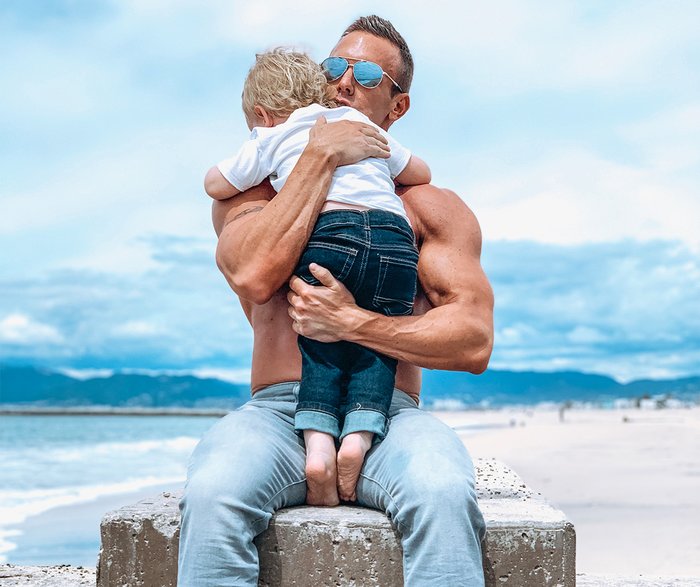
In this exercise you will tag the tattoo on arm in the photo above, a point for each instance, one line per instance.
(247, 211)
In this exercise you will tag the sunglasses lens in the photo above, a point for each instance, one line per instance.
(368, 74)
(334, 67)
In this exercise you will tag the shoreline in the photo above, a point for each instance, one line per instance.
(71, 533)
(112, 411)
(444, 406)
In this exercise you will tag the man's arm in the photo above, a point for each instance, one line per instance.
(261, 236)
(456, 333)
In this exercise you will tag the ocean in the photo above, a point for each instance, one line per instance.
(49, 462)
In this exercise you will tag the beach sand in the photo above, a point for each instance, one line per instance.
(629, 480)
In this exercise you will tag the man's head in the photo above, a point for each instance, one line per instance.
(371, 38)
(281, 81)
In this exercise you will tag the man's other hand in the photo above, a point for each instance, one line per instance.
(321, 312)
(348, 141)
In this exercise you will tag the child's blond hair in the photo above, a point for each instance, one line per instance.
(283, 80)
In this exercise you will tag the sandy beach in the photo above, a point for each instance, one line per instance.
(629, 480)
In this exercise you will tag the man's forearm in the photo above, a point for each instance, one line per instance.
(435, 340)
(258, 256)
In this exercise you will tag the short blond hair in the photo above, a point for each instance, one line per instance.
(283, 80)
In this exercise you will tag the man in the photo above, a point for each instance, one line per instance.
(252, 463)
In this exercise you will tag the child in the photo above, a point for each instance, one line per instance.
(362, 236)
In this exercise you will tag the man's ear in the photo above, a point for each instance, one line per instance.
(399, 106)
(263, 115)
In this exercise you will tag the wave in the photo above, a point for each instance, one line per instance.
(183, 444)
(180, 445)
(18, 505)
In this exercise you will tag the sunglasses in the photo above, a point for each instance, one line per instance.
(366, 73)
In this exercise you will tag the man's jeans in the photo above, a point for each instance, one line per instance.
(251, 463)
(346, 387)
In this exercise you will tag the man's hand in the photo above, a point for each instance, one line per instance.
(320, 312)
(348, 141)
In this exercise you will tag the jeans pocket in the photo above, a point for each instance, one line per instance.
(397, 284)
(338, 259)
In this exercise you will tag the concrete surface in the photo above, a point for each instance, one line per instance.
(528, 542)
(67, 576)
(61, 576)
(584, 580)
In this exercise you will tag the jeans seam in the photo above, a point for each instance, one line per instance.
(267, 503)
(400, 526)
(365, 409)
(318, 411)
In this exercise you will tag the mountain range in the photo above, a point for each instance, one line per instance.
(38, 387)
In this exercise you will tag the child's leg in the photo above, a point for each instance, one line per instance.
(318, 413)
(370, 387)
(336, 244)
(388, 285)
(321, 475)
(351, 456)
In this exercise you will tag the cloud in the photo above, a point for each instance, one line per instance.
(19, 329)
(513, 47)
(138, 329)
(623, 308)
(178, 315)
(564, 194)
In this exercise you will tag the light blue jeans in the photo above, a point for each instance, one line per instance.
(251, 463)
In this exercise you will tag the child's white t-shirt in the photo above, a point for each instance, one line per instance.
(274, 151)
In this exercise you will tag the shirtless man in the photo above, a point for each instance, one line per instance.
(251, 462)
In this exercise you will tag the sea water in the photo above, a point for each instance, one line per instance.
(48, 462)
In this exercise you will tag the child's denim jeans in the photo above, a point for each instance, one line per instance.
(346, 387)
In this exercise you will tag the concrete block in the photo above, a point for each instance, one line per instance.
(528, 542)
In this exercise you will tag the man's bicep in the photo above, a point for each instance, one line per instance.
(233, 209)
(449, 275)
(449, 266)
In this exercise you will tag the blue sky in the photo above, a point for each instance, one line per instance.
(572, 129)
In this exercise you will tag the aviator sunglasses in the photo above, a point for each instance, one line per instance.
(366, 73)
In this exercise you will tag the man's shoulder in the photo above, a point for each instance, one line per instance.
(438, 211)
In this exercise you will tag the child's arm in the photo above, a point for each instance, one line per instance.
(217, 186)
(416, 172)
(242, 171)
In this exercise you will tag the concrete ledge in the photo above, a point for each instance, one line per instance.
(528, 542)
(584, 580)
(61, 576)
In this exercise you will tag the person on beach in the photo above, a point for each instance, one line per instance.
(345, 389)
(252, 462)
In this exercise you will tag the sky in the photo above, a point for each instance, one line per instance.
(571, 129)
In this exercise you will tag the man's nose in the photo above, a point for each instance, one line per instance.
(346, 83)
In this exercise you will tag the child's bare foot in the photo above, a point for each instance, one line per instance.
(350, 458)
(321, 471)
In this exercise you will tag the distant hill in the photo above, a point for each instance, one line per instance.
(45, 388)
(497, 388)
(40, 387)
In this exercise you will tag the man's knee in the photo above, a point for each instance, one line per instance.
(438, 482)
